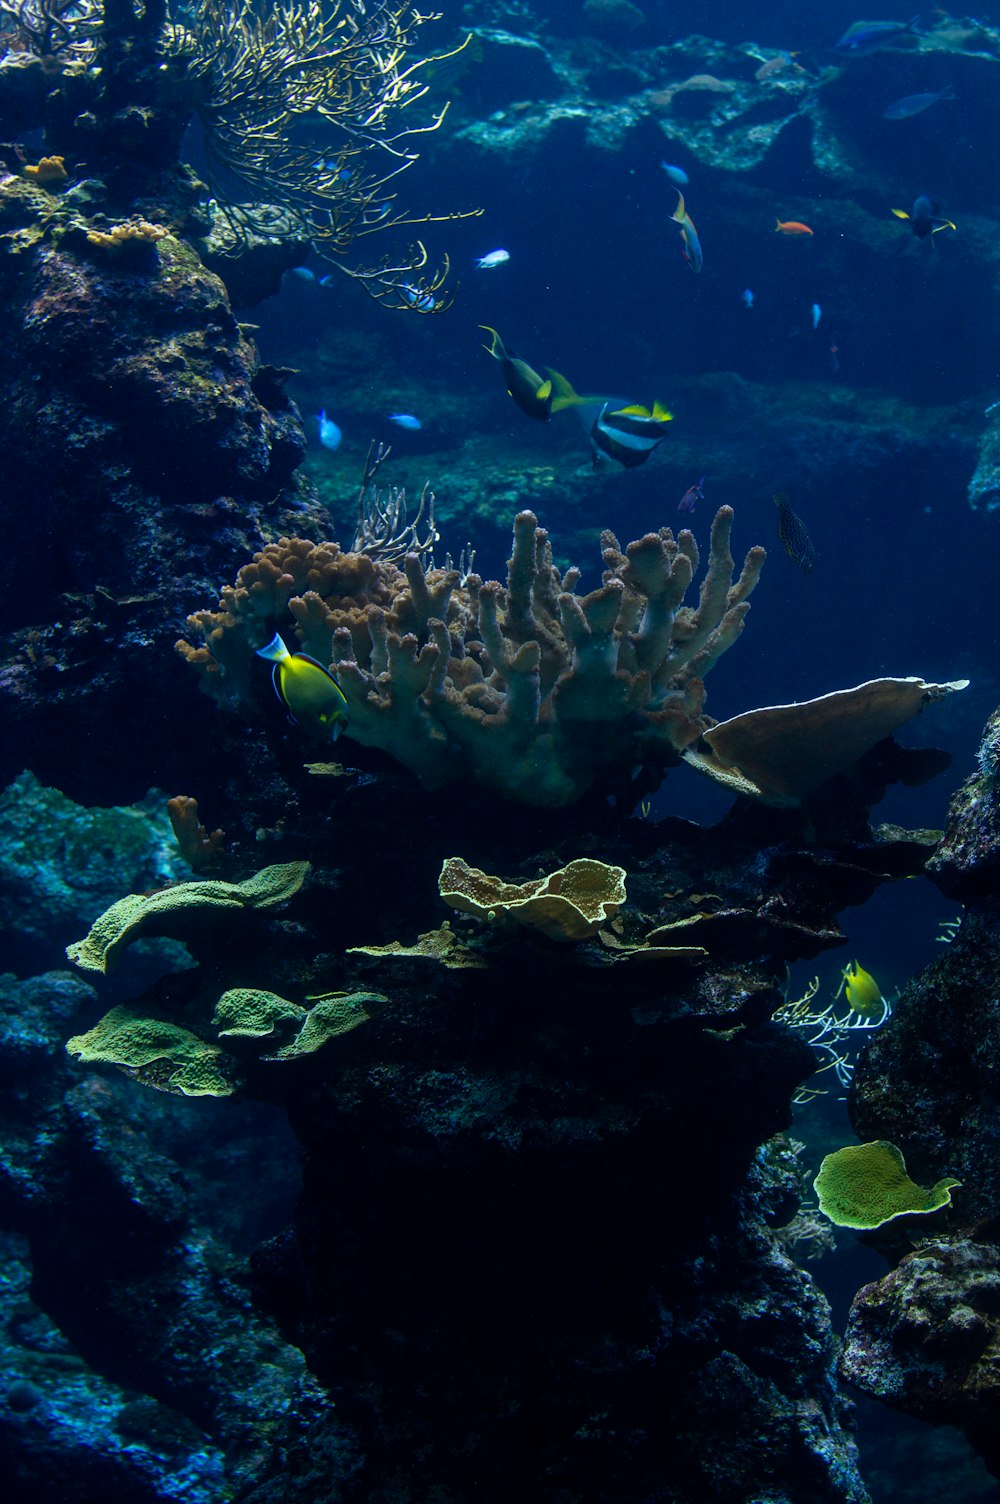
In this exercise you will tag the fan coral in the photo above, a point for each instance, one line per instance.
(527, 689)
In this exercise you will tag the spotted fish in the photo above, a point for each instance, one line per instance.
(794, 539)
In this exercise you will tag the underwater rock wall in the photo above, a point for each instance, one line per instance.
(923, 1338)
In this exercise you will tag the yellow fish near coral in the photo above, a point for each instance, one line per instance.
(862, 991)
(309, 691)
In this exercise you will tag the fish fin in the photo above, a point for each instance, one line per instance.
(496, 345)
(563, 393)
(661, 415)
(274, 651)
(276, 681)
(899, 213)
(943, 224)
(777, 224)
(544, 392)
(633, 410)
(680, 213)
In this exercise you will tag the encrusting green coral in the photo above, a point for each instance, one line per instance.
(151, 913)
(171, 1058)
(158, 1054)
(527, 689)
(866, 1185)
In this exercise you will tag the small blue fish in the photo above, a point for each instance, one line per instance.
(304, 273)
(676, 175)
(405, 420)
(491, 259)
(423, 302)
(869, 36)
(329, 434)
(746, 297)
(817, 314)
(913, 104)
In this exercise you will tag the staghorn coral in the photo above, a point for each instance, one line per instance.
(527, 689)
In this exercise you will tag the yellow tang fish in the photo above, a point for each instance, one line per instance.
(309, 691)
(862, 991)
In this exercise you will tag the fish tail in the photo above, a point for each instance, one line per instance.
(900, 213)
(680, 213)
(274, 651)
(496, 344)
(563, 394)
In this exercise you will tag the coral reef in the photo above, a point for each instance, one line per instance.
(529, 690)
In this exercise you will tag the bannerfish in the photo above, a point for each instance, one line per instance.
(692, 496)
(746, 297)
(677, 175)
(791, 227)
(817, 314)
(869, 36)
(491, 259)
(630, 434)
(794, 539)
(405, 420)
(329, 434)
(863, 993)
(532, 393)
(914, 104)
(309, 692)
(689, 235)
(924, 217)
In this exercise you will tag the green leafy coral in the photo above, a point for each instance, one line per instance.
(156, 913)
(866, 1185)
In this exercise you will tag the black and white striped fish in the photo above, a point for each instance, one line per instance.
(630, 434)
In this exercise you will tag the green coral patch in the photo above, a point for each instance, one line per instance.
(154, 913)
(138, 1044)
(333, 1015)
(866, 1185)
(252, 1013)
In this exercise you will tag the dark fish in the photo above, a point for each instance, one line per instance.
(531, 392)
(913, 104)
(794, 539)
(924, 217)
(869, 36)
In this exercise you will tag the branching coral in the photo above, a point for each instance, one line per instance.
(528, 689)
(305, 108)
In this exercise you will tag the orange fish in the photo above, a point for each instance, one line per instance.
(791, 227)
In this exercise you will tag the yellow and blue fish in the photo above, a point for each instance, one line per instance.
(311, 695)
